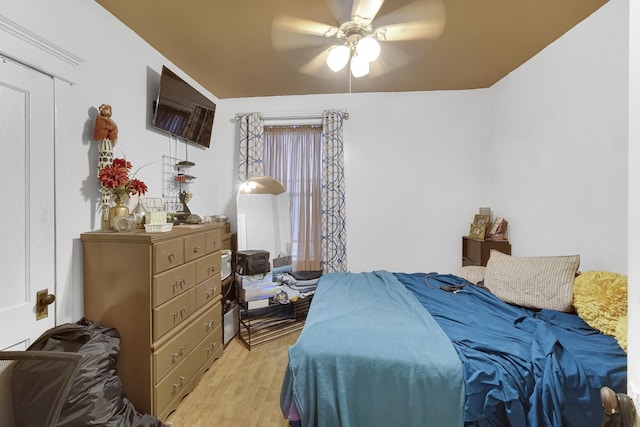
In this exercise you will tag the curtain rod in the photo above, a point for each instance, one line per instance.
(293, 116)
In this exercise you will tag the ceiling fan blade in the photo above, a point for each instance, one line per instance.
(289, 33)
(367, 9)
(340, 9)
(391, 58)
(411, 31)
(422, 19)
(317, 66)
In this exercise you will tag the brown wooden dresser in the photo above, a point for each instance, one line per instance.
(161, 291)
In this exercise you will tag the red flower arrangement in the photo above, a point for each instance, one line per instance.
(116, 178)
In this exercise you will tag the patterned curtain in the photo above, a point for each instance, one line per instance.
(334, 236)
(251, 146)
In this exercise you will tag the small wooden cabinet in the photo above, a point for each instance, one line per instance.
(161, 291)
(476, 252)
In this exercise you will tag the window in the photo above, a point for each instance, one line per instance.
(293, 156)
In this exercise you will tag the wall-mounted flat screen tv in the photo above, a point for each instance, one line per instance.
(183, 111)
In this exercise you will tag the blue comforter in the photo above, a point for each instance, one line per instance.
(370, 355)
(523, 367)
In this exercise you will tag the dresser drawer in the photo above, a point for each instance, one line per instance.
(210, 347)
(173, 312)
(171, 354)
(177, 349)
(208, 290)
(168, 254)
(213, 241)
(173, 282)
(208, 267)
(172, 385)
(208, 322)
(194, 247)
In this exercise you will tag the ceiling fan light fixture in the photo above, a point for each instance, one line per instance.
(359, 66)
(338, 57)
(368, 49)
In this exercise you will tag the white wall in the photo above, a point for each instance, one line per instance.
(559, 151)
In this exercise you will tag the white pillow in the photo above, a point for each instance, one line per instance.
(472, 273)
(536, 282)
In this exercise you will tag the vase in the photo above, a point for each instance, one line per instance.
(140, 214)
(119, 209)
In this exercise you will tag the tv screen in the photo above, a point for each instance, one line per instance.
(183, 111)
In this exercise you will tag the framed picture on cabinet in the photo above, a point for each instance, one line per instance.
(482, 220)
(498, 229)
(477, 231)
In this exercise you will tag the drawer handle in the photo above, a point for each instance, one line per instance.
(179, 284)
(179, 386)
(179, 314)
(196, 249)
(209, 324)
(211, 292)
(211, 347)
(215, 243)
(172, 257)
(212, 269)
(181, 351)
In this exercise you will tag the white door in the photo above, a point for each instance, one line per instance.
(27, 202)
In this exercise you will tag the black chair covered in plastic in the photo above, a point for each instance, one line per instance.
(34, 386)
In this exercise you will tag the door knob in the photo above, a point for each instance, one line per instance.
(43, 300)
(47, 299)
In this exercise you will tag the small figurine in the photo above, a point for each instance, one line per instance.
(105, 127)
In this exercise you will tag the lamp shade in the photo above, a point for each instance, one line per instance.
(338, 57)
(368, 49)
(359, 67)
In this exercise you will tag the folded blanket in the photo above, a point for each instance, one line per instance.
(371, 355)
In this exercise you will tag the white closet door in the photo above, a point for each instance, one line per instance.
(27, 202)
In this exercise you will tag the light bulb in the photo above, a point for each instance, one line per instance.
(359, 67)
(338, 57)
(368, 49)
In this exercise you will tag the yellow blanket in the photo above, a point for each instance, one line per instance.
(600, 299)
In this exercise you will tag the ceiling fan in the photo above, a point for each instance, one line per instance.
(368, 44)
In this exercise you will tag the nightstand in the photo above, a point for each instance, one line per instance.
(476, 252)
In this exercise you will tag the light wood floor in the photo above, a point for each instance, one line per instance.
(242, 388)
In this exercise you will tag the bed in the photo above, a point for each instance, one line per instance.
(386, 349)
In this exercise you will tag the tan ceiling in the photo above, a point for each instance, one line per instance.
(226, 45)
